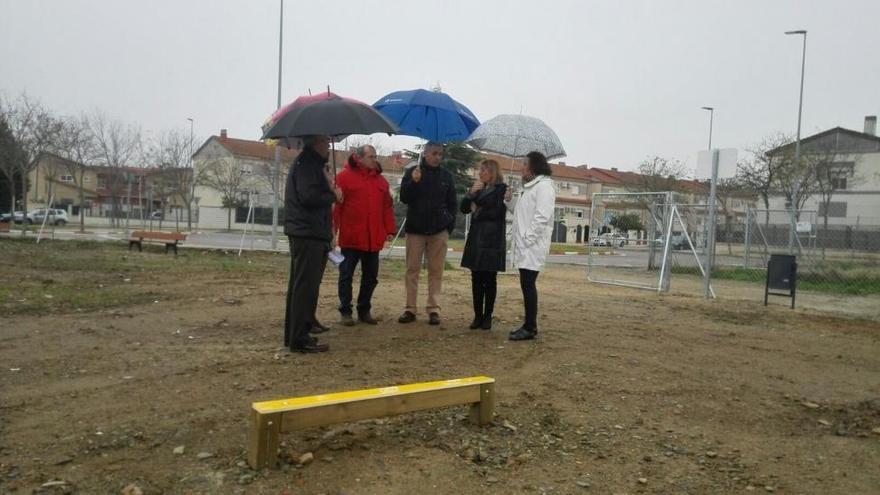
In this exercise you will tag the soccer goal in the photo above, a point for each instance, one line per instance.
(637, 239)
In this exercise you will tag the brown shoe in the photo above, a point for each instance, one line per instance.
(434, 319)
(407, 317)
(367, 318)
(347, 320)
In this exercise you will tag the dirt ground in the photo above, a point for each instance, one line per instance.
(112, 360)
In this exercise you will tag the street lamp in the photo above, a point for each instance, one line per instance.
(711, 117)
(192, 180)
(797, 145)
(709, 248)
(276, 169)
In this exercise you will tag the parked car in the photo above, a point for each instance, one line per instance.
(157, 215)
(56, 216)
(17, 217)
(609, 240)
(679, 241)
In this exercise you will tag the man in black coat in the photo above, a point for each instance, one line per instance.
(428, 190)
(309, 197)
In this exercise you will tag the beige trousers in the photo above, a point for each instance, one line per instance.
(433, 247)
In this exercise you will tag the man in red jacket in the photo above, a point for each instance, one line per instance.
(364, 220)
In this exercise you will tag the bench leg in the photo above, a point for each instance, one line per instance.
(263, 440)
(483, 411)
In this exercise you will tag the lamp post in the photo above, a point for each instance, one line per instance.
(797, 145)
(192, 180)
(711, 118)
(709, 249)
(276, 172)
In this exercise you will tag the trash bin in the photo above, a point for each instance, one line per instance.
(781, 276)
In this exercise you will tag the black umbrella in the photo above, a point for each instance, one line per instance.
(326, 114)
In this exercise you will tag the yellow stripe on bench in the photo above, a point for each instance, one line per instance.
(270, 418)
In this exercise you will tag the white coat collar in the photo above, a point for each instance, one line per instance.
(536, 180)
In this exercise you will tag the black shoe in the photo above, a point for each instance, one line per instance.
(347, 320)
(407, 317)
(523, 334)
(487, 322)
(317, 328)
(477, 323)
(367, 318)
(310, 347)
(434, 319)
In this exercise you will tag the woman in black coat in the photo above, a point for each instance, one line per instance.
(484, 249)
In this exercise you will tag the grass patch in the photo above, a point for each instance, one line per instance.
(60, 276)
(37, 298)
(828, 277)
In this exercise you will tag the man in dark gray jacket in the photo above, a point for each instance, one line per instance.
(428, 190)
(309, 196)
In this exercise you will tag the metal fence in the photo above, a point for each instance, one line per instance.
(834, 255)
(839, 258)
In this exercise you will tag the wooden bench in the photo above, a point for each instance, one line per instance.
(170, 239)
(271, 418)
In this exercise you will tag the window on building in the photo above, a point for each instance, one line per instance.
(66, 178)
(835, 209)
(838, 173)
(576, 190)
(102, 182)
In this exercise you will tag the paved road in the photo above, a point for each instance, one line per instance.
(630, 256)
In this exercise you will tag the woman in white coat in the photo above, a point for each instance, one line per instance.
(532, 228)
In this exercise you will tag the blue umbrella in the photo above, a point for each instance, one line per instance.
(430, 115)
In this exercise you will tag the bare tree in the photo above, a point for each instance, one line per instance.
(77, 146)
(759, 172)
(660, 174)
(832, 172)
(34, 129)
(794, 179)
(230, 178)
(171, 153)
(10, 157)
(117, 145)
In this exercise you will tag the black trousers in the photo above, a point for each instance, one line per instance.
(527, 279)
(308, 258)
(484, 288)
(369, 279)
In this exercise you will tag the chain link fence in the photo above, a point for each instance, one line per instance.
(836, 257)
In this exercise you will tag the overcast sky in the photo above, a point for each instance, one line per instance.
(617, 80)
